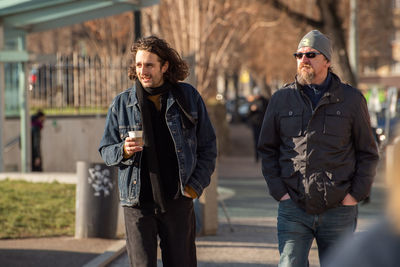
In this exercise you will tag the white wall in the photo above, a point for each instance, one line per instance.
(65, 140)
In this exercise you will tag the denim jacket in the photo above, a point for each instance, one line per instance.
(195, 146)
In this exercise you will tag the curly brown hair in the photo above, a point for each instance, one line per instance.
(177, 70)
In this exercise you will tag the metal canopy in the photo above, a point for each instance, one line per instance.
(19, 17)
(38, 15)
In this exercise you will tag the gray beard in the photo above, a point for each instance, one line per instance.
(305, 77)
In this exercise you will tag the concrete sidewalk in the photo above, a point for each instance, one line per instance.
(251, 210)
(253, 213)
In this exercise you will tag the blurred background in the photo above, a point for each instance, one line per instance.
(70, 58)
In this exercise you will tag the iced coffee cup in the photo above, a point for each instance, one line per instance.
(138, 135)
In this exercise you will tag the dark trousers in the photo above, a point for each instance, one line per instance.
(256, 135)
(176, 229)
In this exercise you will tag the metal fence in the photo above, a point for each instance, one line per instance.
(77, 82)
(11, 92)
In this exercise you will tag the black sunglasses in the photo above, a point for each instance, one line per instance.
(308, 55)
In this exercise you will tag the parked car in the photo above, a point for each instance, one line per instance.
(239, 114)
(382, 136)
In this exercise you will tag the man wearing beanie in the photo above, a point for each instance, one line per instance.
(318, 154)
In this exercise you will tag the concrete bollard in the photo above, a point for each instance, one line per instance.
(209, 207)
(392, 161)
(96, 212)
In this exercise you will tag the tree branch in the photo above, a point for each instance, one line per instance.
(295, 15)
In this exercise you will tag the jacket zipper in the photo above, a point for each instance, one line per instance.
(320, 104)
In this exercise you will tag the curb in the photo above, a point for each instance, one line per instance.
(113, 252)
(44, 177)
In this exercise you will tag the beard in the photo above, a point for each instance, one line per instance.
(305, 74)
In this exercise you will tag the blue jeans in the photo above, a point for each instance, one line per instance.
(297, 230)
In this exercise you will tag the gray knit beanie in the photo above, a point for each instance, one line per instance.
(318, 41)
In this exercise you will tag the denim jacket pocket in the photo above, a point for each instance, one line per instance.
(128, 184)
(123, 181)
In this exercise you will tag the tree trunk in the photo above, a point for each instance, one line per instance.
(333, 24)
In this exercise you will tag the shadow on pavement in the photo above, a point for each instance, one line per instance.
(43, 258)
(235, 264)
(244, 235)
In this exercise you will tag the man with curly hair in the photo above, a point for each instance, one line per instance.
(159, 179)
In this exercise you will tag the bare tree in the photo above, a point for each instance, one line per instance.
(331, 16)
(111, 35)
(106, 36)
(375, 34)
(211, 31)
(223, 36)
(267, 49)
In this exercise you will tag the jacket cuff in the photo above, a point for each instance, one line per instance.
(188, 189)
(196, 187)
(358, 197)
(126, 161)
(278, 195)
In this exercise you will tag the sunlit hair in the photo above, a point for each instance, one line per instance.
(177, 70)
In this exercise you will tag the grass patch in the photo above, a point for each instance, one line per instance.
(36, 209)
(73, 111)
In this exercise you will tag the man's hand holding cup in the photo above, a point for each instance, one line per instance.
(133, 143)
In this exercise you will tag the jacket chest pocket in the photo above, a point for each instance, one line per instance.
(130, 121)
(291, 123)
(335, 123)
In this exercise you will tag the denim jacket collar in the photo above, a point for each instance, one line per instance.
(175, 96)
